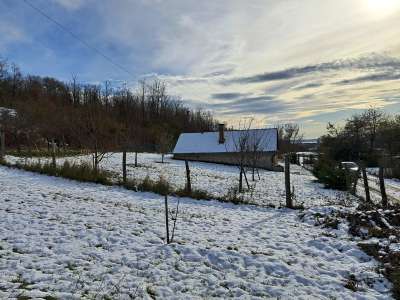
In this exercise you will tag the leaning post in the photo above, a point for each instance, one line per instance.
(366, 186)
(382, 187)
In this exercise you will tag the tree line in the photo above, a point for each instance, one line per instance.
(95, 117)
(370, 138)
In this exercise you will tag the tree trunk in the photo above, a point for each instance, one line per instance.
(382, 187)
(124, 166)
(188, 182)
(166, 218)
(366, 186)
(289, 202)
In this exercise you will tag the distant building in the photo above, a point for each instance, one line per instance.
(220, 147)
(310, 144)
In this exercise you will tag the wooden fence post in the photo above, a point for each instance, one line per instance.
(188, 182)
(241, 180)
(245, 178)
(366, 186)
(382, 187)
(2, 144)
(135, 158)
(166, 218)
(53, 154)
(289, 202)
(354, 187)
(124, 166)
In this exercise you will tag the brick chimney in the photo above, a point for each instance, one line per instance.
(221, 129)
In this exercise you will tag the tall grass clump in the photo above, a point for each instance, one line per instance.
(3, 162)
(84, 172)
(195, 194)
(234, 196)
(161, 186)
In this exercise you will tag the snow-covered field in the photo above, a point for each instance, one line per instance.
(72, 240)
(217, 180)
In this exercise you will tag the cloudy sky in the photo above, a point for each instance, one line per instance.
(305, 61)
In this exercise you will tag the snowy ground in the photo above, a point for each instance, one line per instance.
(392, 187)
(72, 240)
(217, 180)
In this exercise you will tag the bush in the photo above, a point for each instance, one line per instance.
(332, 176)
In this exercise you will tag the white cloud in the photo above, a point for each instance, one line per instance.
(196, 45)
(71, 4)
(10, 34)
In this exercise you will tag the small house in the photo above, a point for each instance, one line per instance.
(227, 147)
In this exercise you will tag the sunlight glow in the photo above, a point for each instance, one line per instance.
(383, 7)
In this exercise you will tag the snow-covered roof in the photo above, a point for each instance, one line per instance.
(207, 142)
(8, 111)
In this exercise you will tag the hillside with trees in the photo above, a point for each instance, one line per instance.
(92, 117)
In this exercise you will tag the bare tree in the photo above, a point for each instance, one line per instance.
(289, 137)
(257, 142)
(373, 118)
(165, 143)
(98, 129)
(240, 141)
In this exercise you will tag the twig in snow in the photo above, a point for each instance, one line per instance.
(174, 219)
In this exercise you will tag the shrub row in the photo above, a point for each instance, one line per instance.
(80, 172)
(44, 153)
(84, 172)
